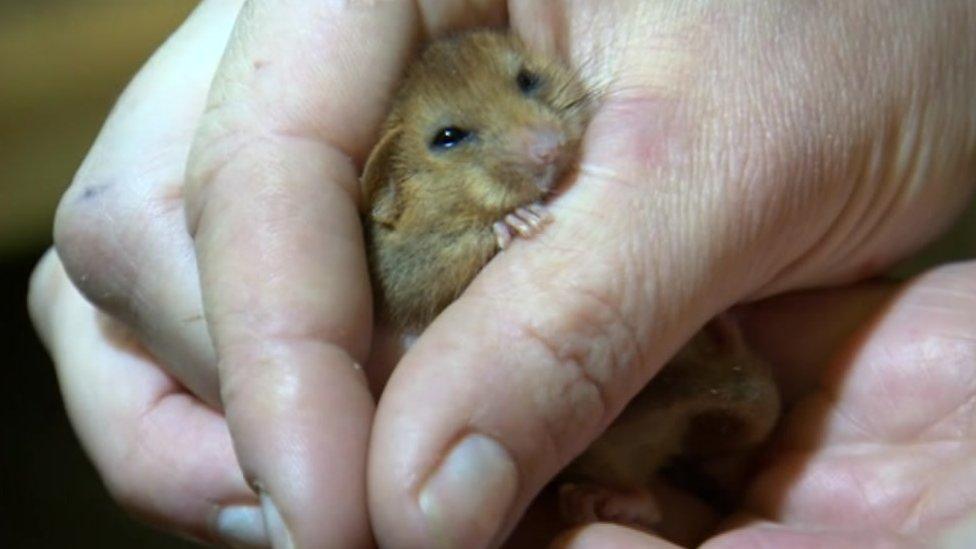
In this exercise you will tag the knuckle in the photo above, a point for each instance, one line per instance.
(256, 327)
(264, 376)
(230, 150)
(218, 139)
(229, 137)
(103, 243)
(92, 240)
(106, 225)
(82, 216)
(221, 163)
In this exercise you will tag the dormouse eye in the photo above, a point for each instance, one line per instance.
(527, 81)
(446, 138)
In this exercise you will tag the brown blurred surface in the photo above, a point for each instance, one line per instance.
(62, 64)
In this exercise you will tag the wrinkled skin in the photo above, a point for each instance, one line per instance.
(743, 150)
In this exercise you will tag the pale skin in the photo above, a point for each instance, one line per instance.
(727, 163)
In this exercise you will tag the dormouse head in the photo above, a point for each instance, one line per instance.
(483, 118)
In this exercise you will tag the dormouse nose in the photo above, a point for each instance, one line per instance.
(540, 145)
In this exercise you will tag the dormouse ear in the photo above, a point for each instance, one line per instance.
(378, 185)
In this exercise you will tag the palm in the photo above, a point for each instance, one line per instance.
(878, 445)
(884, 446)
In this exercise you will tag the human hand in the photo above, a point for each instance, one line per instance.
(152, 421)
(683, 93)
(739, 152)
(155, 427)
(140, 388)
(878, 449)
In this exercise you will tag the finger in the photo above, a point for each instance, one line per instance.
(596, 536)
(163, 455)
(272, 193)
(272, 204)
(120, 227)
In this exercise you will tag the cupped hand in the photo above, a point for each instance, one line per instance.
(140, 387)
(285, 291)
(738, 152)
(152, 414)
(879, 448)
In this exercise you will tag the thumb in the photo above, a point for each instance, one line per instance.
(544, 349)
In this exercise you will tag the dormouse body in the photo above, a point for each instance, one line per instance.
(478, 135)
(711, 407)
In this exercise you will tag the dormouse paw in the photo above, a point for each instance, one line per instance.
(585, 503)
(526, 222)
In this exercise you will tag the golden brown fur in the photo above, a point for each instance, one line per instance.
(429, 213)
(715, 397)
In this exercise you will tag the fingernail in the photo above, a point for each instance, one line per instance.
(277, 530)
(242, 526)
(469, 495)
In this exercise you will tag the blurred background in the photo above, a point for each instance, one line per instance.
(62, 63)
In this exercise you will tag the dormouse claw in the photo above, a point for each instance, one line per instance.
(526, 222)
